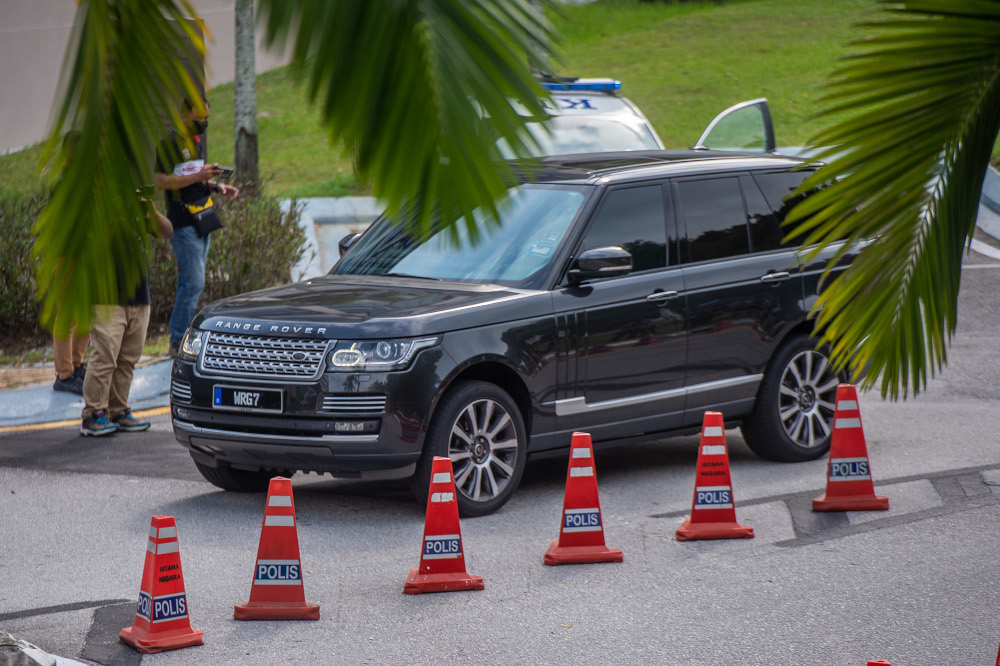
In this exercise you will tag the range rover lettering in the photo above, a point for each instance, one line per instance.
(622, 294)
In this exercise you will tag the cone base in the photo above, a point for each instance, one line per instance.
(853, 503)
(276, 610)
(689, 531)
(173, 640)
(417, 583)
(557, 554)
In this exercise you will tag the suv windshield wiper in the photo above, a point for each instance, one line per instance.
(407, 275)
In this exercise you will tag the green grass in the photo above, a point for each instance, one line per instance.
(295, 152)
(684, 63)
(681, 63)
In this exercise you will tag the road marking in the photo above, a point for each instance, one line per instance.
(52, 425)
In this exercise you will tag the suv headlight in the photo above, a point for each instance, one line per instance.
(376, 355)
(191, 344)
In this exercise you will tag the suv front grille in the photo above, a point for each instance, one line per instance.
(263, 356)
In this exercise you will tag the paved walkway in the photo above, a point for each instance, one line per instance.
(40, 406)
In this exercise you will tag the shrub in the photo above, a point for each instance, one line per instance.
(19, 309)
(257, 248)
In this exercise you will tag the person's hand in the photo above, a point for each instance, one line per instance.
(208, 172)
(228, 191)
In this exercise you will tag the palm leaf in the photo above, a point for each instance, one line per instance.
(123, 76)
(406, 85)
(906, 172)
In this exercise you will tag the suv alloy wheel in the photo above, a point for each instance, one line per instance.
(480, 428)
(792, 418)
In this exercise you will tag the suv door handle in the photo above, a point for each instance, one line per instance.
(657, 296)
(775, 277)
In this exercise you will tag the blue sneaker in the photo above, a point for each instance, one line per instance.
(129, 423)
(97, 425)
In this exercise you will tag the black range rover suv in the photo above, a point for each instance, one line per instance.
(623, 294)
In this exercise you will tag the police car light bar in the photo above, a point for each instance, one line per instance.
(583, 84)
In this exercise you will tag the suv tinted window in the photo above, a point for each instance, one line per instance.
(765, 230)
(778, 185)
(716, 222)
(632, 218)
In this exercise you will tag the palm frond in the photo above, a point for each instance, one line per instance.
(410, 86)
(123, 75)
(906, 173)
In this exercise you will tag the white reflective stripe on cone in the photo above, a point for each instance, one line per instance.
(279, 521)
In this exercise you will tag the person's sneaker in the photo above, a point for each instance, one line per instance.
(80, 372)
(129, 423)
(174, 349)
(71, 384)
(98, 424)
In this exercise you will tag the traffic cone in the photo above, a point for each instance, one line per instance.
(581, 538)
(849, 480)
(442, 562)
(713, 510)
(277, 592)
(161, 616)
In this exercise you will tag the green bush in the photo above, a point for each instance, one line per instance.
(257, 248)
(19, 309)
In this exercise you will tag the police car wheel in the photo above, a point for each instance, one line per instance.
(238, 480)
(480, 428)
(793, 415)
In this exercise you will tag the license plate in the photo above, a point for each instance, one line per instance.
(242, 399)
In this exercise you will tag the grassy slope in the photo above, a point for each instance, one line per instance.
(681, 63)
(293, 147)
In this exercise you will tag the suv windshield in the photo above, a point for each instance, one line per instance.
(534, 220)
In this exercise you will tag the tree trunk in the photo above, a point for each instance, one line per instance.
(245, 97)
(546, 65)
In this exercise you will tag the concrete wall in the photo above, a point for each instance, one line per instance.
(33, 39)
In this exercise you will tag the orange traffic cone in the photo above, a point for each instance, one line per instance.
(849, 480)
(581, 538)
(442, 562)
(161, 617)
(713, 510)
(277, 592)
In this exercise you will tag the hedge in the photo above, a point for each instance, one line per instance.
(257, 248)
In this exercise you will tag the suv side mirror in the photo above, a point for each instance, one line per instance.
(600, 262)
(347, 242)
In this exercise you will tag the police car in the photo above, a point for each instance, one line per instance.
(587, 116)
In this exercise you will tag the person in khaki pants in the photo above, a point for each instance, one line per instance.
(117, 335)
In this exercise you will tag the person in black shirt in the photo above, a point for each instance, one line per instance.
(188, 181)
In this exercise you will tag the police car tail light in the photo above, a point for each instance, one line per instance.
(376, 355)
(192, 343)
(583, 84)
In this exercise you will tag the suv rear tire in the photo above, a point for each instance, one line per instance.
(481, 429)
(238, 480)
(792, 418)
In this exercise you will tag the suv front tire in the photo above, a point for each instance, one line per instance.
(480, 428)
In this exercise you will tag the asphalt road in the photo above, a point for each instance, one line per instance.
(916, 585)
